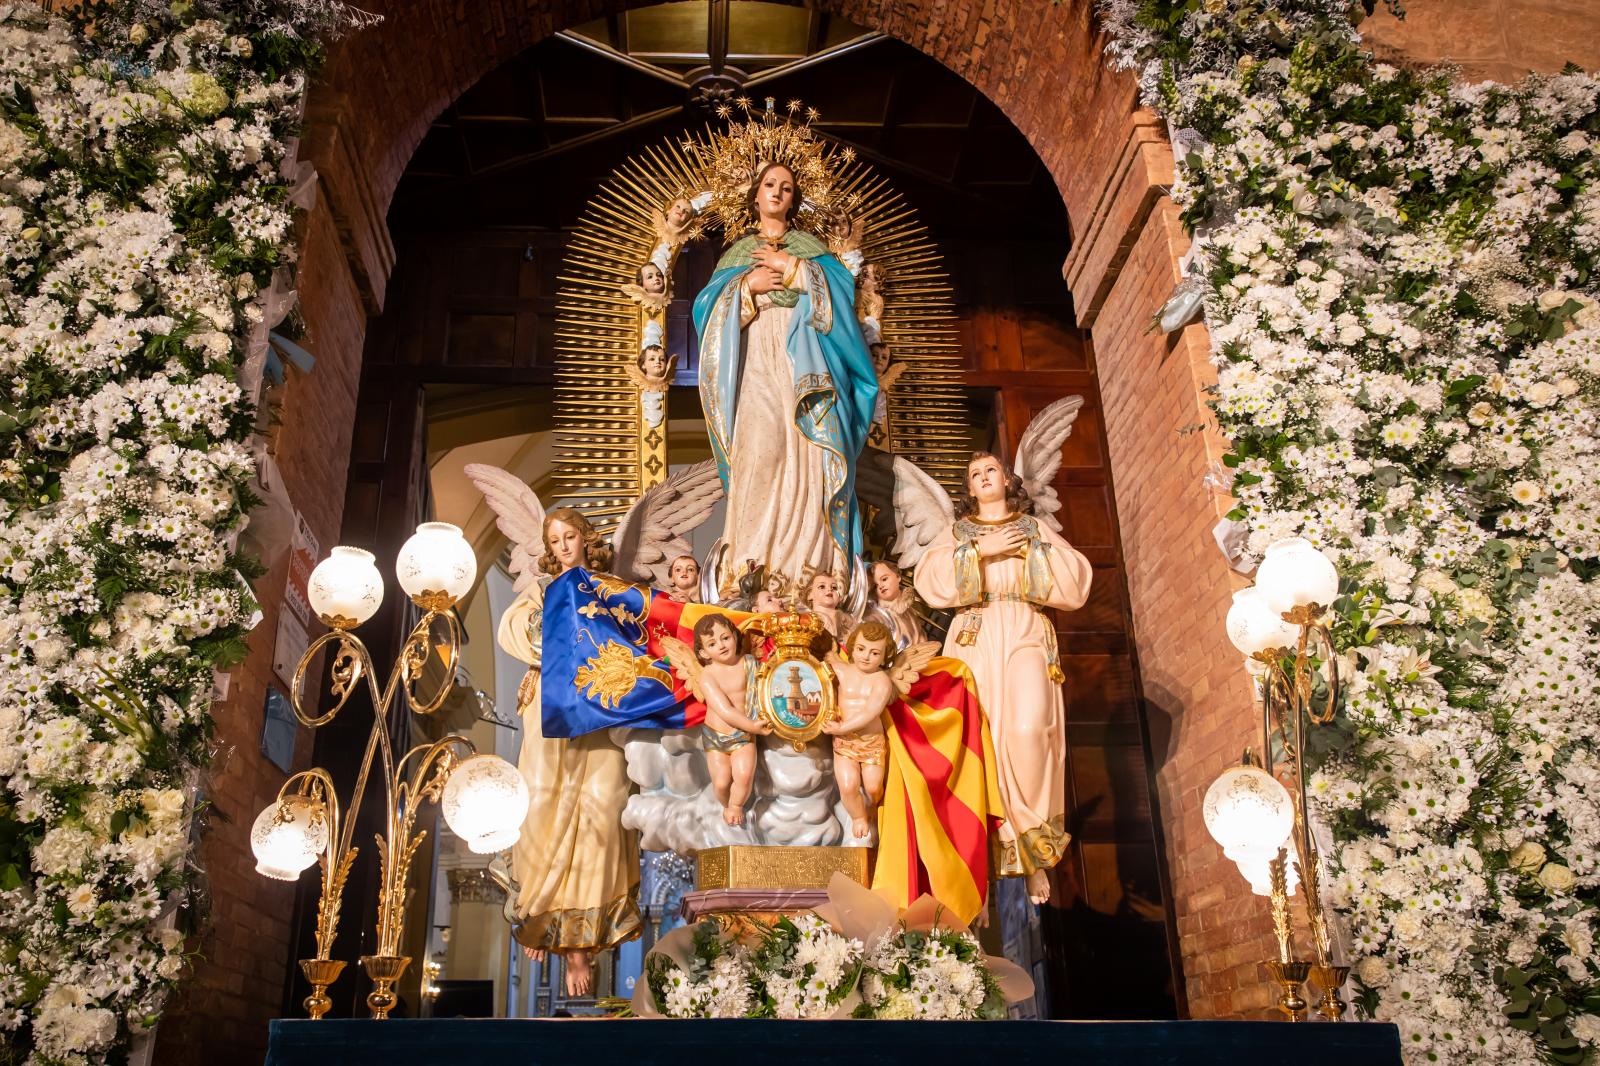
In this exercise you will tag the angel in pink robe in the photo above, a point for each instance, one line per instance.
(1001, 566)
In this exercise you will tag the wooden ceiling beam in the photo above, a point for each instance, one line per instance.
(588, 44)
(562, 147)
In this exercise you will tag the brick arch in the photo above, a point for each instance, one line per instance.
(1041, 64)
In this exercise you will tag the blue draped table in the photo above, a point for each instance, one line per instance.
(637, 1042)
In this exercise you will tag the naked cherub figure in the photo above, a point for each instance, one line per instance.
(720, 673)
(871, 679)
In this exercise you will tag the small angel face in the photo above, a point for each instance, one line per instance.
(824, 591)
(767, 602)
(775, 195)
(869, 277)
(886, 582)
(651, 280)
(565, 543)
(867, 654)
(841, 226)
(986, 479)
(679, 212)
(880, 358)
(719, 644)
(684, 574)
(653, 362)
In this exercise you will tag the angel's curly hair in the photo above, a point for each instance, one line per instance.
(597, 554)
(703, 628)
(1017, 498)
(872, 630)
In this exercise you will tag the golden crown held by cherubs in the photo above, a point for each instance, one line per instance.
(731, 161)
(792, 629)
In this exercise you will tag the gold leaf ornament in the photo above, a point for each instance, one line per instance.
(615, 672)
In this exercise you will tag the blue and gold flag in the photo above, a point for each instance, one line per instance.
(598, 671)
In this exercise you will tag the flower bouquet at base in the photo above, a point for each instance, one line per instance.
(854, 957)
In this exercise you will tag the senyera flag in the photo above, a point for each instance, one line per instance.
(941, 800)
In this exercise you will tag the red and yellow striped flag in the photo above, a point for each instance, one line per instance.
(942, 798)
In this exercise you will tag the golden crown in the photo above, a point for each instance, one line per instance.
(731, 160)
(795, 629)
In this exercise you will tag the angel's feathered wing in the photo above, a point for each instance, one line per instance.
(1039, 456)
(518, 513)
(909, 664)
(911, 506)
(656, 529)
(682, 658)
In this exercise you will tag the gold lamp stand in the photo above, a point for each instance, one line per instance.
(1287, 703)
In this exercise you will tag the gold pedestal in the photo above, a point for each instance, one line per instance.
(1290, 976)
(753, 866)
(1330, 979)
(384, 970)
(321, 973)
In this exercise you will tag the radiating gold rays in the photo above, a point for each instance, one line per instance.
(599, 330)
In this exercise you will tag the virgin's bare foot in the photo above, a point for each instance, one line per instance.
(860, 827)
(580, 973)
(733, 815)
(534, 954)
(1039, 886)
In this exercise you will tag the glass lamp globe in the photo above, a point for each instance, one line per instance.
(485, 800)
(288, 836)
(1252, 627)
(1294, 573)
(1249, 813)
(436, 566)
(345, 589)
(1258, 873)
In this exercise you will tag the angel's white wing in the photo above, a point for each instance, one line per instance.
(1039, 456)
(655, 530)
(911, 506)
(518, 513)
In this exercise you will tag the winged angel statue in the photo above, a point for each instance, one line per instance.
(996, 554)
(574, 876)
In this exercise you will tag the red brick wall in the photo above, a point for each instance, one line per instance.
(1196, 694)
(1500, 40)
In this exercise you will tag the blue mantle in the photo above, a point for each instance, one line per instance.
(598, 1042)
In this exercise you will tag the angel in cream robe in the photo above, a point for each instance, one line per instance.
(1005, 638)
(576, 870)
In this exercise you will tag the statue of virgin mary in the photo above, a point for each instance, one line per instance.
(788, 388)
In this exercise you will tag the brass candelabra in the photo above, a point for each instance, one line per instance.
(483, 797)
(1262, 824)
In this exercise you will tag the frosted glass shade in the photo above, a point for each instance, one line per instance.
(485, 800)
(1258, 873)
(1249, 813)
(1254, 627)
(436, 560)
(288, 836)
(345, 589)
(1294, 573)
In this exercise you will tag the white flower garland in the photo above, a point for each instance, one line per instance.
(1399, 277)
(142, 212)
